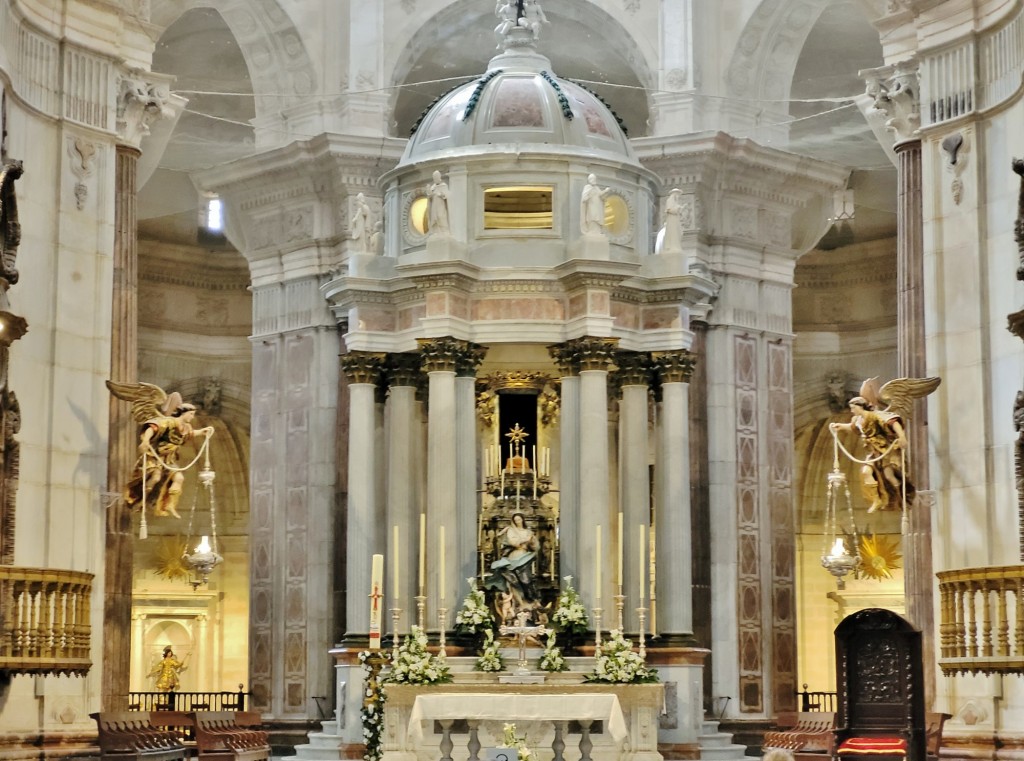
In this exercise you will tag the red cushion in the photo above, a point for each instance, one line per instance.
(873, 746)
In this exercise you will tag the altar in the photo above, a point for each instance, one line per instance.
(559, 720)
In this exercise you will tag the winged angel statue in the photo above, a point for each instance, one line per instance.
(879, 418)
(165, 424)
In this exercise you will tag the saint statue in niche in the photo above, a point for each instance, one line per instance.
(167, 671)
(592, 207)
(361, 225)
(437, 208)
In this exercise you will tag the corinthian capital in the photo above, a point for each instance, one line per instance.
(142, 98)
(363, 366)
(674, 366)
(896, 91)
(451, 355)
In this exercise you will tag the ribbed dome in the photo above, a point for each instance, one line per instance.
(518, 103)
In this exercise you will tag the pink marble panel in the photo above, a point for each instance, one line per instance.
(521, 308)
(656, 318)
(295, 652)
(458, 306)
(577, 305)
(626, 315)
(517, 103)
(584, 105)
(375, 319)
(600, 302)
(408, 318)
(437, 304)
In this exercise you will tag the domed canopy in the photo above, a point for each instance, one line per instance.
(519, 102)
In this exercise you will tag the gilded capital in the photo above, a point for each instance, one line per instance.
(403, 369)
(674, 366)
(363, 366)
(566, 358)
(469, 359)
(634, 368)
(449, 354)
(596, 353)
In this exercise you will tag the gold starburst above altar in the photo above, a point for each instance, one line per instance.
(168, 558)
(879, 556)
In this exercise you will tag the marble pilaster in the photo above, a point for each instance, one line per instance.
(674, 549)
(568, 469)
(467, 474)
(634, 476)
(363, 370)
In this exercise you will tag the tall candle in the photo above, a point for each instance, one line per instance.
(620, 553)
(483, 463)
(442, 552)
(535, 472)
(597, 568)
(643, 559)
(394, 567)
(423, 552)
(376, 578)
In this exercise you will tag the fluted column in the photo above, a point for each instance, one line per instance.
(634, 476)
(139, 666)
(673, 528)
(365, 532)
(468, 478)
(202, 657)
(566, 358)
(402, 485)
(595, 357)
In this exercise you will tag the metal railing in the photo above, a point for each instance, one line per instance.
(816, 700)
(44, 621)
(187, 701)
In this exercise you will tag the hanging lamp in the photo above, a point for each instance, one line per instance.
(836, 558)
(204, 558)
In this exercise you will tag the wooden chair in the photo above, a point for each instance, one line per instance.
(805, 732)
(880, 688)
(131, 735)
(220, 738)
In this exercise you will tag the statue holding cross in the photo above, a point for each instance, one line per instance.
(512, 14)
(523, 632)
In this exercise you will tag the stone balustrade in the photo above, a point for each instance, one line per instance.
(982, 627)
(44, 621)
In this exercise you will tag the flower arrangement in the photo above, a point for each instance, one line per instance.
(474, 616)
(372, 712)
(552, 659)
(414, 665)
(618, 664)
(570, 616)
(509, 740)
(490, 657)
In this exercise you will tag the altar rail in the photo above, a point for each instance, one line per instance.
(982, 625)
(816, 700)
(44, 621)
(187, 701)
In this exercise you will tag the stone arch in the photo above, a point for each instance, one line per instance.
(469, 18)
(280, 68)
(768, 48)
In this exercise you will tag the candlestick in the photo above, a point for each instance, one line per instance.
(597, 567)
(442, 623)
(394, 567)
(423, 552)
(641, 614)
(535, 466)
(376, 577)
(597, 632)
(619, 576)
(643, 563)
(620, 604)
(442, 551)
(396, 614)
(421, 611)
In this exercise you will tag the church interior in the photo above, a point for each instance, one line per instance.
(364, 316)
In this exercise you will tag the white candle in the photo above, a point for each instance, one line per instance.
(441, 553)
(643, 560)
(423, 551)
(376, 578)
(535, 472)
(620, 553)
(483, 463)
(394, 567)
(597, 568)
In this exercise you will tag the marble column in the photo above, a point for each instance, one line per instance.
(203, 661)
(365, 533)
(467, 474)
(403, 487)
(634, 374)
(121, 446)
(139, 666)
(568, 483)
(595, 357)
(439, 357)
(672, 519)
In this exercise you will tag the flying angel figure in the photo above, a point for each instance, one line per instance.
(879, 418)
(165, 424)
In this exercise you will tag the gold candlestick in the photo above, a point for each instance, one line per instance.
(442, 621)
(641, 614)
(421, 611)
(620, 604)
(396, 614)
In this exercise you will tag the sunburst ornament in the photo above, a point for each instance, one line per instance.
(879, 556)
(168, 558)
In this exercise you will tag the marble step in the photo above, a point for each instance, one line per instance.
(718, 746)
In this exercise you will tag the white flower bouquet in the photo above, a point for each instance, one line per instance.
(617, 663)
(552, 659)
(510, 740)
(570, 616)
(372, 712)
(474, 616)
(490, 657)
(414, 665)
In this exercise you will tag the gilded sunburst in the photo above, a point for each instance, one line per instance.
(167, 558)
(879, 556)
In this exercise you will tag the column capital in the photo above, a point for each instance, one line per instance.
(565, 357)
(896, 90)
(449, 354)
(403, 369)
(674, 366)
(596, 353)
(634, 368)
(143, 97)
(363, 366)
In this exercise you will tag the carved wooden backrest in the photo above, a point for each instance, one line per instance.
(879, 678)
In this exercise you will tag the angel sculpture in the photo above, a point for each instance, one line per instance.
(879, 417)
(166, 424)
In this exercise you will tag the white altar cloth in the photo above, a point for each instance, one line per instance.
(510, 706)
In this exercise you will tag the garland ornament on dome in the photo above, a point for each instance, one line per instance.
(165, 424)
(880, 416)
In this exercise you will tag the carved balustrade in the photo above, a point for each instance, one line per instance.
(44, 621)
(982, 628)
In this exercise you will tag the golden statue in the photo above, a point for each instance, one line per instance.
(167, 671)
(879, 418)
(166, 424)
